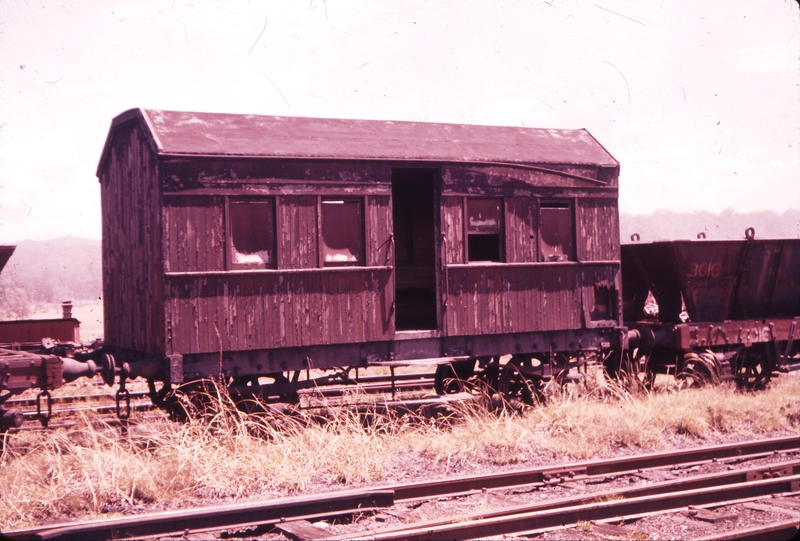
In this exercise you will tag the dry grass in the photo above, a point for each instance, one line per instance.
(228, 456)
(591, 424)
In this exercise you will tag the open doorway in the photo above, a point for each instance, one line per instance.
(415, 248)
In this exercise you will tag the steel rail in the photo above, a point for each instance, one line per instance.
(102, 410)
(365, 384)
(693, 483)
(379, 407)
(383, 407)
(602, 510)
(367, 388)
(177, 522)
(234, 515)
(778, 531)
(386, 378)
(551, 474)
(31, 402)
(368, 385)
(106, 422)
(107, 409)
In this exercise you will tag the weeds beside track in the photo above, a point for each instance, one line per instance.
(95, 471)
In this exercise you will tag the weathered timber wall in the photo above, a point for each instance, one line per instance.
(496, 299)
(499, 180)
(378, 230)
(521, 230)
(297, 231)
(277, 308)
(269, 309)
(521, 295)
(453, 230)
(274, 176)
(33, 330)
(133, 267)
(597, 223)
(194, 238)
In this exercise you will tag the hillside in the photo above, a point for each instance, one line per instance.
(48, 272)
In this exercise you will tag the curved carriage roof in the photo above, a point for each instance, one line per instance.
(229, 135)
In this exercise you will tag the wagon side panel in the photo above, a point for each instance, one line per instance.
(598, 229)
(297, 232)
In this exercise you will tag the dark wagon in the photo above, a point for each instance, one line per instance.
(726, 308)
(243, 246)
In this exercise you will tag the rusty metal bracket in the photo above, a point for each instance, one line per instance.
(5, 377)
(123, 395)
(789, 342)
(559, 475)
(175, 368)
(769, 473)
(44, 418)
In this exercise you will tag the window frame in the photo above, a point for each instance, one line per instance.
(230, 251)
(498, 231)
(557, 203)
(361, 260)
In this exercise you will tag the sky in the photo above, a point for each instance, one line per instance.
(698, 100)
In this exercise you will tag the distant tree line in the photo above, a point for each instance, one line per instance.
(729, 224)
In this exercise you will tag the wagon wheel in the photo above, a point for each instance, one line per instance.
(629, 371)
(613, 363)
(452, 377)
(488, 375)
(559, 365)
(694, 374)
(159, 396)
(517, 388)
(645, 374)
(195, 399)
(754, 372)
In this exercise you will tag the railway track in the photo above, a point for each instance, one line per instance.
(365, 384)
(760, 479)
(310, 400)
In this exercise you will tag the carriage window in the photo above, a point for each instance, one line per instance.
(252, 240)
(342, 232)
(484, 229)
(603, 306)
(557, 230)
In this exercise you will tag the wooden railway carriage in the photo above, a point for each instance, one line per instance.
(242, 245)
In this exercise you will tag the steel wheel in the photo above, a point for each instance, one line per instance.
(646, 374)
(452, 377)
(754, 372)
(630, 370)
(195, 399)
(695, 374)
(517, 388)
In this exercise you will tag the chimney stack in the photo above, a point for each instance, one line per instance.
(66, 310)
